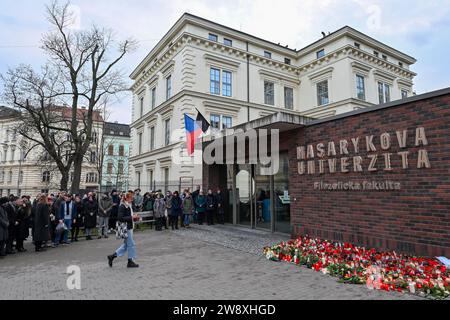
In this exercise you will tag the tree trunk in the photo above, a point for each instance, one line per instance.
(64, 181)
(77, 166)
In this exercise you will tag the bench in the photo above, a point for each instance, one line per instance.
(146, 217)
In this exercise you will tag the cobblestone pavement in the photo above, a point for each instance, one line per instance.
(220, 262)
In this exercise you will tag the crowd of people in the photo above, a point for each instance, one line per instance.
(56, 220)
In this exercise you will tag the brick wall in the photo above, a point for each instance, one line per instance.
(415, 218)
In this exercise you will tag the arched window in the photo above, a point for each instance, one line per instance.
(46, 176)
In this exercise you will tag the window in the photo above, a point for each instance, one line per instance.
(404, 94)
(226, 83)
(10, 175)
(288, 98)
(20, 176)
(287, 61)
(2, 176)
(94, 137)
(228, 42)
(109, 169)
(110, 150)
(44, 191)
(269, 93)
(140, 143)
(215, 81)
(120, 167)
(138, 179)
(150, 179)
(320, 53)
(213, 37)
(46, 176)
(215, 121)
(93, 157)
(141, 106)
(357, 45)
(168, 87)
(376, 54)
(268, 54)
(166, 179)
(385, 57)
(121, 150)
(167, 132)
(227, 122)
(360, 87)
(91, 177)
(153, 98)
(322, 93)
(152, 138)
(384, 92)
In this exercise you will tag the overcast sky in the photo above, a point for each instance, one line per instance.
(418, 28)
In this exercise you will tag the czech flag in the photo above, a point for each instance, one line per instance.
(193, 131)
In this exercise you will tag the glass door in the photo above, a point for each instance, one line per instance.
(262, 200)
(243, 192)
(282, 196)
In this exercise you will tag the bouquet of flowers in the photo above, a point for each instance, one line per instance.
(387, 271)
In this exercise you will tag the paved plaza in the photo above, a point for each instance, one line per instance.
(219, 262)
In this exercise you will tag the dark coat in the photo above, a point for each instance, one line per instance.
(23, 228)
(61, 210)
(176, 207)
(79, 215)
(41, 223)
(200, 203)
(115, 208)
(12, 218)
(125, 216)
(90, 214)
(210, 202)
(4, 223)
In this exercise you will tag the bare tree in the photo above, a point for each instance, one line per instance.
(41, 122)
(85, 60)
(82, 71)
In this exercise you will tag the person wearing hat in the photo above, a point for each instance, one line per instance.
(127, 216)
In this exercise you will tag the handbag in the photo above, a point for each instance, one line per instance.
(61, 227)
(121, 230)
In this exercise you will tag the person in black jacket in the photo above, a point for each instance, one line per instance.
(114, 211)
(176, 210)
(210, 207)
(220, 202)
(126, 216)
(41, 228)
(4, 224)
(11, 211)
(90, 216)
(77, 219)
(22, 228)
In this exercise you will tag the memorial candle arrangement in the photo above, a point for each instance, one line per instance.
(387, 271)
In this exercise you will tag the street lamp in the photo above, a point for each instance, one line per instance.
(22, 158)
